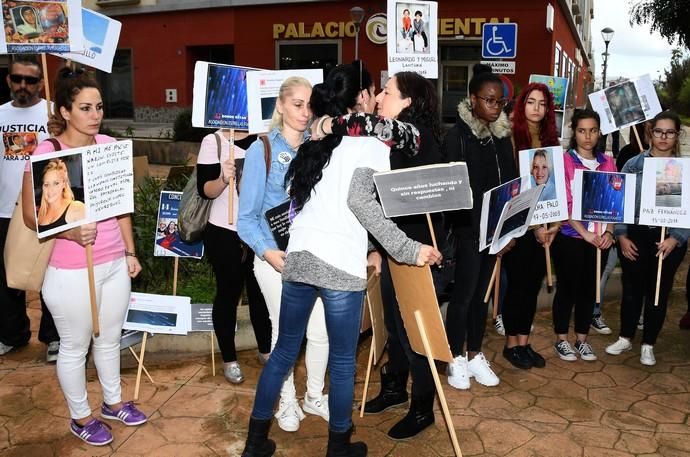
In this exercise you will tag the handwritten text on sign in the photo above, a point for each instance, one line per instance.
(109, 179)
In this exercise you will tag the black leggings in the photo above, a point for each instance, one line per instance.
(639, 283)
(232, 263)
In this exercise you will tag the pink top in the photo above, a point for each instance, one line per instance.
(109, 244)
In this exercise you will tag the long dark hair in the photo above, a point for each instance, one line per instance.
(670, 116)
(68, 84)
(579, 115)
(423, 108)
(333, 97)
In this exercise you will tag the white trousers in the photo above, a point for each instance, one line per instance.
(66, 293)
(316, 357)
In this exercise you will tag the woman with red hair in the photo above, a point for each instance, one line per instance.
(534, 126)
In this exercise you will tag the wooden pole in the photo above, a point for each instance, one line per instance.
(213, 354)
(175, 268)
(431, 230)
(46, 82)
(549, 274)
(598, 291)
(637, 137)
(658, 270)
(497, 286)
(231, 183)
(141, 366)
(437, 381)
(366, 378)
(146, 372)
(92, 290)
(490, 286)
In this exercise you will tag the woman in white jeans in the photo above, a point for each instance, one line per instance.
(263, 188)
(79, 112)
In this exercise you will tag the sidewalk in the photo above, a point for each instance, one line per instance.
(611, 407)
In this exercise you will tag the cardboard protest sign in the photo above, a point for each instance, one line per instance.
(515, 218)
(76, 186)
(263, 88)
(414, 289)
(279, 222)
(101, 35)
(665, 196)
(425, 189)
(626, 104)
(492, 208)
(559, 89)
(413, 37)
(202, 318)
(158, 314)
(606, 197)
(32, 27)
(168, 242)
(373, 314)
(220, 96)
(545, 166)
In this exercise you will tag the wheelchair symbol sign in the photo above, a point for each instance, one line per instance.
(499, 40)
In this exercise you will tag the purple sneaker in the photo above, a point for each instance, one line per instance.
(128, 414)
(95, 432)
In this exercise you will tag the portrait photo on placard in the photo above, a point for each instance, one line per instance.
(542, 171)
(669, 183)
(625, 104)
(412, 28)
(40, 26)
(492, 207)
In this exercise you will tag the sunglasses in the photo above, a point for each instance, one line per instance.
(30, 80)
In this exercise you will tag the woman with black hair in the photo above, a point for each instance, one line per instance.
(481, 137)
(327, 257)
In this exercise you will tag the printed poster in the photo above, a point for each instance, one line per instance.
(665, 197)
(492, 208)
(545, 166)
(32, 27)
(168, 242)
(413, 38)
(515, 218)
(158, 314)
(606, 197)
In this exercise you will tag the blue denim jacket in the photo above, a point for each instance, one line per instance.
(636, 165)
(259, 193)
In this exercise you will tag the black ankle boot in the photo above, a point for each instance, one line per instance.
(339, 445)
(393, 392)
(419, 417)
(258, 444)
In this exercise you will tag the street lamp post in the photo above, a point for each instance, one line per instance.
(607, 35)
(357, 16)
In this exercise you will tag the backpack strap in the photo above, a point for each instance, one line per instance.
(267, 153)
(56, 144)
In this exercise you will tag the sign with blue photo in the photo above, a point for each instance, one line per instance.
(168, 242)
(606, 197)
(499, 40)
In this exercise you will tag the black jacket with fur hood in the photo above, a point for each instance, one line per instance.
(488, 151)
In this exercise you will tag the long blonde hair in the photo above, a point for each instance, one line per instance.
(58, 166)
(286, 89)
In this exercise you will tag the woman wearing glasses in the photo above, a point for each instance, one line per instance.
(639, 249)
(482, 138)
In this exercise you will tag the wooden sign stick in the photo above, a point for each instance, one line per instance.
(497, 286)
(366, 378)
(437, 381)
(213, 354)
(549, 275)
(637, 137)
(136, 357)
(490, 287)
(658, 270)
(46, 85)
(431, 230)
(598, 286)
(140, 367)
(92, 290)
(231, 182)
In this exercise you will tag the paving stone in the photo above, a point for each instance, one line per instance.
(4, 438)
(571, 409)
(616, 398)
(680, 402)
(494, 408)
(627, 421)
(542, 427)
(663, 383)
(524, 379)
(637, 442)
(589, 451)
(625, 376)
(143, 441)
(600, 437)
(674, 440)
(520, 398)
(74, 447)
(195, 449)
(36, 427)
(14, 400)
(33, 450)
(187, 429)
(558, 388)
(501, 437)
(594, 380)
(548, 445)
(537, 414)
(657, 412)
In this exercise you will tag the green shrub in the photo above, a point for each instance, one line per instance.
(183, 130)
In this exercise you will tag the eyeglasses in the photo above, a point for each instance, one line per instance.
(30, 80)
(659, 133)
(493, 103)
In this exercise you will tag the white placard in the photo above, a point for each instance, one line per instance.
(158, 314)
(515, 218)
(413, 38)
(603, 197)
(96, 182)
(545, 166)
(492, 207)
(665, 197)
(626, 104)
(263, 87)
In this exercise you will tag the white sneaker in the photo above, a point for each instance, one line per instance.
(458, 376)
(318, 406)
(498, 324)
(4, 348)
(619, 347)
(289, 415)
(647, 355)
(480, 369)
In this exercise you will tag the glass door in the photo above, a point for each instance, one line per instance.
(453, 87)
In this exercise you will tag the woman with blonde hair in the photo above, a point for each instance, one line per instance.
(58, 206)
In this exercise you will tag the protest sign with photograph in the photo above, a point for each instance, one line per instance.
(601, 196)
(545, 166)
(158, 313)
(220, 96)
(515, 218)
(263, 88)
(559, 89)
(101, 35)
(665, 196)
(424, 189)
(626, 104)
(168, 242)
(76, 186)
(492, 208)
(413, 37)
(32, 27)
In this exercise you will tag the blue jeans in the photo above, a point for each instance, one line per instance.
(343, 311)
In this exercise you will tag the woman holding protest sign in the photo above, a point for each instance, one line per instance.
(481, 137)
(575, 246)
(640, 249)
(231, 259)
(327, 257)
(262, 189)
(78, 116)
(534, 126)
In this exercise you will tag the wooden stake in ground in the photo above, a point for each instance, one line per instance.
(549, 275)
(146, 372)
(231, 182)
(658, 270)
(497, 285)
(140, 367)
(92, 290)
(213, 354)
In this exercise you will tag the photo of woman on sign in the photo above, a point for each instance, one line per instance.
(58, 206)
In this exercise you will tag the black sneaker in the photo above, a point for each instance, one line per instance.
(536, 358)
(517, 357)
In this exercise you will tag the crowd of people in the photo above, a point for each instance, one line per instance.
(323, 148)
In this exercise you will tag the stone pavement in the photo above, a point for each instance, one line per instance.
(611, 407)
